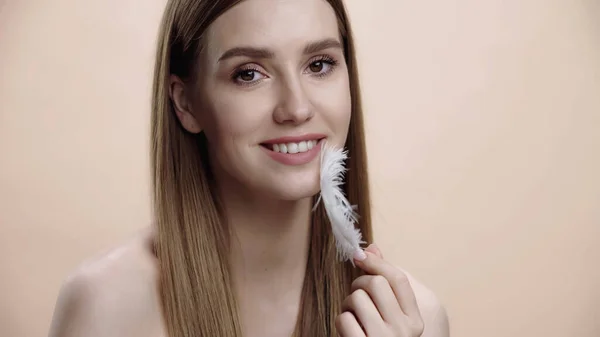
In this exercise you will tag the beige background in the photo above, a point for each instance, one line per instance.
(483, 121)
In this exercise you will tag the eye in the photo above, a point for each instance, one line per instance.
(317, 66)
(322, 66)
(247, 75)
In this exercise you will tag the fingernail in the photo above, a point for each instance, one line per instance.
(360, 255)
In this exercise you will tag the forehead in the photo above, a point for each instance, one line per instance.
(280, 25)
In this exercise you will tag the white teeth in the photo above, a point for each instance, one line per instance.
(302, 146)
(283, 148)
(293, 148)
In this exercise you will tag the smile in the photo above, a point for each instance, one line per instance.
(293, 147)
(294, 150)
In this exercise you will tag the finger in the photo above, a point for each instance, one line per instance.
(382, 295)
(372, 248)
(398, 280)
(347, 325)
(378, 251)
(365, 311)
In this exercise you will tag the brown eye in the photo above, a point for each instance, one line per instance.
(247, 75)
(316, 67)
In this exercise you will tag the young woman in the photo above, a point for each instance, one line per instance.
(245, 93)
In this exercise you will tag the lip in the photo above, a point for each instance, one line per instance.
(295, 139)
(295, 159)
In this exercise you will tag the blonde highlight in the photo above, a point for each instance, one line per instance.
(193, 240)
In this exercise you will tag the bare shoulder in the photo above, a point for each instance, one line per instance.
(432, 310)
(114, 294)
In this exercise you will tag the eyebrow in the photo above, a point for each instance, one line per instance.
(264, 53)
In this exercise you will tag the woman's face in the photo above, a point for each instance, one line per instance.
(272, 85)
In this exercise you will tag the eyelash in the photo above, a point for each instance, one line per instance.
(239, 72)
(322, 58)
(325, 59)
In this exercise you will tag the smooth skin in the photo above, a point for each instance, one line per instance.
(382, 302)
(116, 295)
(293, 82)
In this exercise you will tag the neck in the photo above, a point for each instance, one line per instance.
(269, 244)
(270, 240)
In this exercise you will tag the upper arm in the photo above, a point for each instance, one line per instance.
(96, 304)
(76, 309)
(113, 295)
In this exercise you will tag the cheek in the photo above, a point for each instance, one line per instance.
(235, 121)
(335, 106)
(231, 128)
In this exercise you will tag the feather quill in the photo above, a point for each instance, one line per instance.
(341, 213)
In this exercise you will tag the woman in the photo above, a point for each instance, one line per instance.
(245, 92)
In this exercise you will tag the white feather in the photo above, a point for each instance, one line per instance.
(340, 212)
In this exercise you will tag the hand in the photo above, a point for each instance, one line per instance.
(382, 302)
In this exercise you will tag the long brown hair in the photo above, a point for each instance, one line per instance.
(192, 241)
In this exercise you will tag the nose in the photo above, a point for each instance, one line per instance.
(293, 105)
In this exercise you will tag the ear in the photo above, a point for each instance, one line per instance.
(183, 105)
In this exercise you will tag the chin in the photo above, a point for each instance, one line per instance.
(292, 187)
(291, 193)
